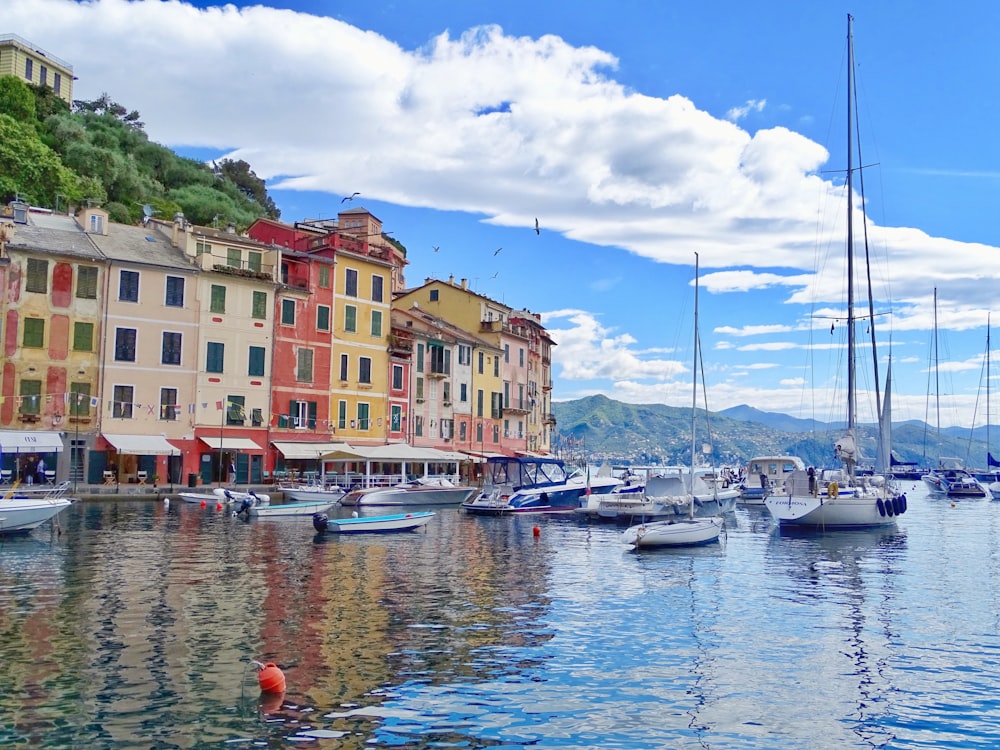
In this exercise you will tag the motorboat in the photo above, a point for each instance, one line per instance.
(225, 495)
(951, 479)
(665, 494)
(533, 484)
(280, 510)
(23, 508)
(429, 490)
(765, 473)
(331, 494)
(372, 524)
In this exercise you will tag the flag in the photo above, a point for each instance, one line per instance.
(93, 401)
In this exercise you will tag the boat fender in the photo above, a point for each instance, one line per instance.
(320, 521)
(897, 506)
(889, 509)
(832, 489)
(881, 507)
(902, 503)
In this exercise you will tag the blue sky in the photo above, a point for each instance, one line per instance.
(638, 134)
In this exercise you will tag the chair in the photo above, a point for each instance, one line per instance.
(5, 475)
(50, 476)
(109, 477)
(141, 476)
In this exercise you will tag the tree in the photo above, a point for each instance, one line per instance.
(30, 169)
(104, 106)
(252, 186)
(16, 100)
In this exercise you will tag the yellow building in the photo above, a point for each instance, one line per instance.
(22, 59)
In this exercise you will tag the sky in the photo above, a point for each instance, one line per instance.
(638, 135)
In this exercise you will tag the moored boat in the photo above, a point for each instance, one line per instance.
(372, 524)
(419, 492)
(763, 473)
(306, 508)
(25, 508)
(680, 532)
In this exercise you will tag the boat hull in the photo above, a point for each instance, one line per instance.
(306, 508)
(372, 524)
(309, 494)
(687, 532)
(420, 496)
(22, 514)
(846, 511)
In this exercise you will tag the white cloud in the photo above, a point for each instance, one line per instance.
(751, 105)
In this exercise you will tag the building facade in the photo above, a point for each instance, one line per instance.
(24, 60)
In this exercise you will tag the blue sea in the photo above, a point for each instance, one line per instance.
(134, 625)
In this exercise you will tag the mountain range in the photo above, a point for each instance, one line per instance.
(637, 434)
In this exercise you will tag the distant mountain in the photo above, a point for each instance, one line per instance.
(600, 428)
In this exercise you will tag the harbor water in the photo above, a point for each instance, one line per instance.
(134, 624)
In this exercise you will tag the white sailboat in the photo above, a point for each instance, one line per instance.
(842, 499)
(685, 531)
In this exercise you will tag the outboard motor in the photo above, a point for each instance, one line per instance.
(320, 522)
(245, 505)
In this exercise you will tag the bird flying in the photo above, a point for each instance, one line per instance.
(436, 248)
(349, 197)
(497, 251)
(495, 275)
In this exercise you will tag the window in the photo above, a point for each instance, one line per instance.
(304, 368)
(521, 356)
(496, 405)
(324, 277)
(287, 312)
(86, 282)
(128, 286)
(121, 407)
(44, 77)
(496, 433)
(57, 82)
(202, 248)
(322, 318)
(419, 389)
(341, 415)
(343, 367)
(395, 418)
(420, 357)
(170, 351)
(446, 392)
(31, 396)
(303, 414)
(351, 283)
(496, 367)
(168, 404)
(481, 359)
(464, 354)
(218, 303)
(214, 356)
(463, 431)
(254, 260)
(447, 428)
(350, 318)
(37, 276)
(79, 399)
(463, 392)
(418, 425)
(256, 361)
(365, 370)
(506, 394)
(397, 377)
(27, 68)
(256, 417)
(234, 258)
(440, 359)
(479, 403)
(96, 224)
(376, 323)
(235, 413)
(125, 345)
(520, 395)
(506, 353)
(434, 295)
(259, 306)
(377, 288)
(34, 333)
(175, 292)
(83, 337)
(363, 419)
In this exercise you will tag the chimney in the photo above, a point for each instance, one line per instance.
(231, 228)
(465, 283)
(178, 227)
(451, 279)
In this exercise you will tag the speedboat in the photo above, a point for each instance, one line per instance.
(765, 473)
(25, 508)
(664, 496)
(951, 479)
(226, 495)
(420, 492)
(531, 484)
(314, 493)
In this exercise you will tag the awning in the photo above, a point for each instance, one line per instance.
(29, 441)
(230, 444)
(308, 450)
(481, 458)
(142, 445)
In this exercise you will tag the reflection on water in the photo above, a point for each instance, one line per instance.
(135, 627)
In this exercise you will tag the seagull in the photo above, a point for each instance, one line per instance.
(349, 197)
(497, 251)
(495, 275)
(436, 248)
(537, 230)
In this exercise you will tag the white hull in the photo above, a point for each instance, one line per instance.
(686, 532)
(222, 495)
(846, 511)
(417, 496)
(372, 524)
(313, 494)
(306, 508)
(20, 514)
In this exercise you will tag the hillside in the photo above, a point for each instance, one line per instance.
(601, 428)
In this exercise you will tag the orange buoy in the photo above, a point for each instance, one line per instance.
(536, 531)
(271, 679)
(218, 506)
(203, 504)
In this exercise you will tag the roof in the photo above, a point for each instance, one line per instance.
(135, 244)
(54, 234)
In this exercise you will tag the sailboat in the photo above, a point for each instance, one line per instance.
(949, 477)
(684, 531)
(842, 499)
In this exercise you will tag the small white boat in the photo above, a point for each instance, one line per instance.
(225, 495)
(682, 532)
(372, 524)
(305, 508)
(23, 508)
(419, 492)
(312, 493)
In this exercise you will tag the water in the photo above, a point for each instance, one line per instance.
(135, 626)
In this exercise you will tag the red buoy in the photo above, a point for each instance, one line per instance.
(218, 506)
(536, 531)
(203, 504)
(271, 679)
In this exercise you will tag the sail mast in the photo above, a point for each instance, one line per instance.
(694, 387)
(850, 241)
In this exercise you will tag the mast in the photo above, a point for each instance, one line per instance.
(850, 243)
(694, 387)
(937, 380)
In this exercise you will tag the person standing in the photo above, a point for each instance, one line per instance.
(40, 470)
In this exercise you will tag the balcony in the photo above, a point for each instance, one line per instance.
(516, 409)
(549, 418)
(245, 273)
